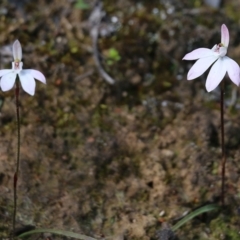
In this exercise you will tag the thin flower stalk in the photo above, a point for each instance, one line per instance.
(9, 78)
(221, 64)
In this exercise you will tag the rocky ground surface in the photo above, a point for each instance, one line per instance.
(121, 161)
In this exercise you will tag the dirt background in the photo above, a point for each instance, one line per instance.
(121, 161)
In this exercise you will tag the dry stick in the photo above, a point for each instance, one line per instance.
(18, 155)
(222, 142)
(95, 20)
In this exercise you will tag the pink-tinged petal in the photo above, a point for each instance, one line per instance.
(224, 35)
(7, 81)
(198, 53)
(28, 83)
(5, 71)
(17, 51)
(233, 70)
(216, 74)
(35, 74)
(200, 66)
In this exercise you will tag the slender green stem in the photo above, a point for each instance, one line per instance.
(15, 179)
(223, 143)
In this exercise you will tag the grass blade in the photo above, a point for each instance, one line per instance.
(193, 214)
(58, 232)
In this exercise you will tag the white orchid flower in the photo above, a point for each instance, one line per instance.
(8, 76)
(222, 64)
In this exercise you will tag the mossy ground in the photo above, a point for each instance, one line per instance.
(118, 161)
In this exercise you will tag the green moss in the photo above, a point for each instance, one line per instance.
(222, 228)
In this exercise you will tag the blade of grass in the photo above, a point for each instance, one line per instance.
(193, 214)
(58, 232)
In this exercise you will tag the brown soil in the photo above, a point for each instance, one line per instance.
(123, 161)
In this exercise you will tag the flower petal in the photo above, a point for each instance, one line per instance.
(216, 74)
(198, 53)
(28, 83)
(7, 81)
(224, 35)
(5, 71)
(35, 74)
(233, 70)
(17, 51)
(200, 66)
